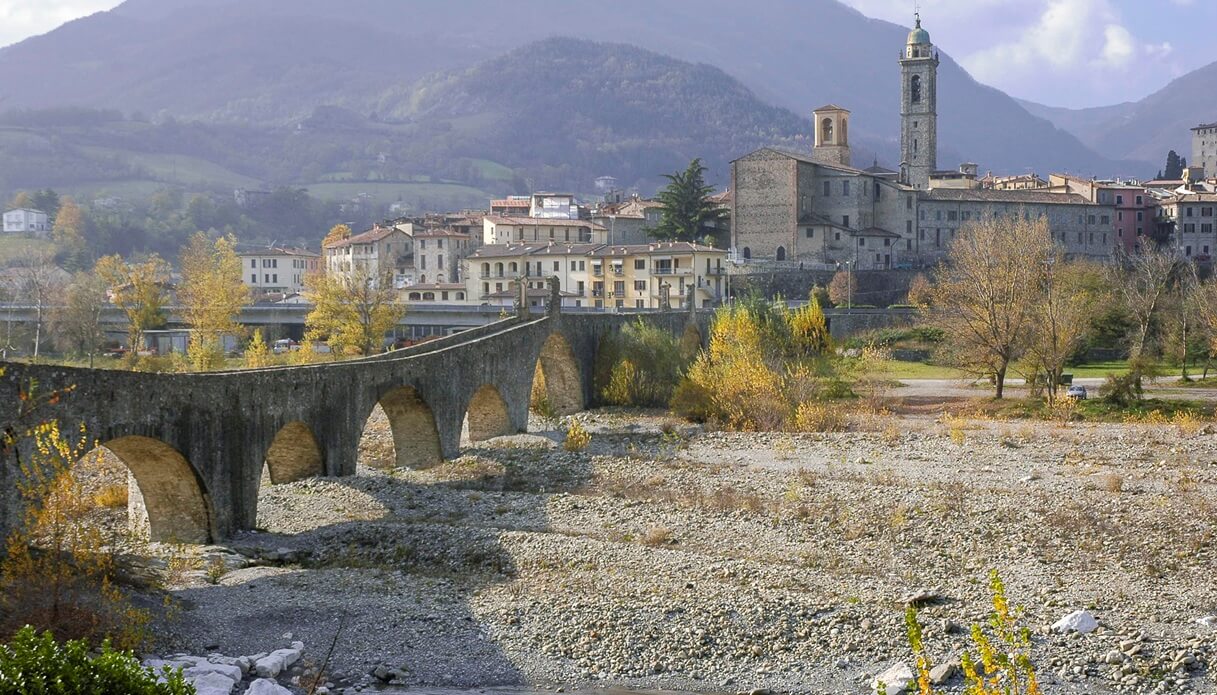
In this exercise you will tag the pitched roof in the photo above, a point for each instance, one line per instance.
(1205, 125)
(542, 222)
(832, 107)
(276, 251)
(985, 195)
(371, 236)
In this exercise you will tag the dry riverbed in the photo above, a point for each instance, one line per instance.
(731, 562)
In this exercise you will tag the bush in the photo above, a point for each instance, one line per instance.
(817, 417)
(1121, 390)
(36, 663)
(577, 437)
(640, 366)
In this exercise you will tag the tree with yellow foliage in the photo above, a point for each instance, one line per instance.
(211, 295)
(352, 311)
(257, 355)
(139, 290)
(337, 233)
(68, 233)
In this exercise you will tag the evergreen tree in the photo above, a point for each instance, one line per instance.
(688, 213)
(1174, 166)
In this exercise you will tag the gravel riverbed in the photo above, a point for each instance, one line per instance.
(664, 557)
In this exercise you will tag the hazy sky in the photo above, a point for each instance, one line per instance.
(1059, 52)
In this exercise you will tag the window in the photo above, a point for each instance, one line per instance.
(810, 232)
(1139, 200)
(640, 285)
(915, 89)
(439, 262)
(1206, 228)
(1140, 215)
(861, 241)
(887, 242)
(1119, 199)
(253, 263)
(1090, 219)
(908, 203)
(845, 188)
(1119, 216)
(253, 279)
(844, 220)
(921, 234)
(781, 253)
(1189, 228)
(877, 189)
(1206, 212)
(952, 215)
(922, 213)
(1189, 211)
(826, 131)
(836, 236)
(640, 264)
(967, 215)
(638, 304)
(827, 188)
(938, 215)
(908, 244)
(1105, 219)
(908, 227)
(266, 278)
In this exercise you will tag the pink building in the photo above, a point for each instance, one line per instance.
(1135, 207)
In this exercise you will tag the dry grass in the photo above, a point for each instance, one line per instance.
(818, 417)
(577, 437)
(111, 496)
(1113, 482)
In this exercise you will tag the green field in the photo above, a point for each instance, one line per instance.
(919, 370)
(182, 169)
(441, 196)
(15, 248)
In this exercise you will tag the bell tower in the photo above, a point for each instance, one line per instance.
(918, 108)
(832, 135)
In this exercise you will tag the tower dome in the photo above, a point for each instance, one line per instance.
(918, 36)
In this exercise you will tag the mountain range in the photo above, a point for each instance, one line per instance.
(431, 83)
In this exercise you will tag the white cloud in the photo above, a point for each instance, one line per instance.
(20, 19)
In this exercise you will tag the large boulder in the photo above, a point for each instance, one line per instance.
(211, 683)
(896, 679)
(276, 662)
(1081, 622)
(265, 686)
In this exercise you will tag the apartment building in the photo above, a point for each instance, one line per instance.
(278, 269)
(633, 276)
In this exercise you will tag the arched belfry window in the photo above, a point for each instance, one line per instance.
(826, 131)
(844, 127)
(915, 89)
(781, 253)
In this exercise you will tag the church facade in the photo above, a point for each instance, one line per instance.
(818, 208)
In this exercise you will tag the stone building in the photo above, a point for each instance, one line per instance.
(1188, 219)
(821, 212)
(1204, 149)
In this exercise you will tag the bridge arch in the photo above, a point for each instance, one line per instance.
(557, 377)
(416, 442)
(165, 495)
(487, 415)
(294, 454)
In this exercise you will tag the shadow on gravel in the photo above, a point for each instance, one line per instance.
(405, 582)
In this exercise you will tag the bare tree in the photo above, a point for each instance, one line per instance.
(1141, 283)
(1064, 297)
(982, 294)
(1183, 317)
(77, 324)
(39, 281)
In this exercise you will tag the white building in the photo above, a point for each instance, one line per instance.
(278, 269)
(26, 221)
(498, 229)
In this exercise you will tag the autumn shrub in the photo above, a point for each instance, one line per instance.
(58, 569)
(818, 417)
(1002, 664)
(577, 437)
(257, 354)
(640, 366)
(34, 662)
(763, 361)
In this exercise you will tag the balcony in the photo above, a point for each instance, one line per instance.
(597, 271)
(671, 271)
(597, 293)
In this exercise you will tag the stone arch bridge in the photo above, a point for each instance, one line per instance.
(196, 444)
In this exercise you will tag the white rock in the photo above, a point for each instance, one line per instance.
(229, 671)
(1208, 621)
(1081, 622)
(896, 679)
(276, 662)
(298, 646)
(265, 686)
(212, 683)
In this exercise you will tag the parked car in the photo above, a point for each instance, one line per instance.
(284, 345)
(1076, 392)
